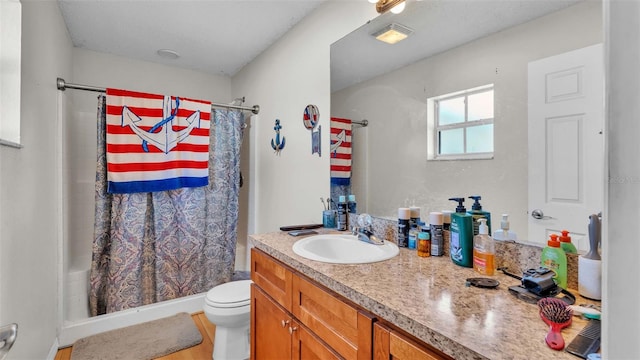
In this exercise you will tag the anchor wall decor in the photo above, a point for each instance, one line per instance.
(278, 144)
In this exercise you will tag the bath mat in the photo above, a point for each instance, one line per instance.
(144, 341)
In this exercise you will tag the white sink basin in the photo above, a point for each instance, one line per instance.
(343, 249)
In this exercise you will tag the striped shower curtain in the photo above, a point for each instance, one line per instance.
(151, 247)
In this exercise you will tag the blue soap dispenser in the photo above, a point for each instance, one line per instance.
(461, 235)
(477, 213)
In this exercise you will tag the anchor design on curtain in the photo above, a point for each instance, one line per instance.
(167, 138)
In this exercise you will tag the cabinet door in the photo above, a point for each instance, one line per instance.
(272, 277)
(270, 337)
(391, 345)
(340, 325)
(307, 346)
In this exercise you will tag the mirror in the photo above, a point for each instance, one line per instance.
(455, 45)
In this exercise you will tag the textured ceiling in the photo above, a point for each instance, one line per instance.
(213, 36)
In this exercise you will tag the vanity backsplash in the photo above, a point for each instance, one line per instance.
(516, 257)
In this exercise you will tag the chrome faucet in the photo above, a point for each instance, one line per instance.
(363, 230)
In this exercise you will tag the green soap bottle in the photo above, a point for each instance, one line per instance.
(477, 213)
(565, 243)
(555, 259)
(461, 236)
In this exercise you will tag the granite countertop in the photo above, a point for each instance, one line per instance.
(427, 297)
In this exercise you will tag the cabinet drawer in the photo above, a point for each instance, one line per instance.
(307, 346)
(343, 327)
(391, 345)
(272, 277)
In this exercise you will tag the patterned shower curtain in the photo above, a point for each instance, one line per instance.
(151, 247)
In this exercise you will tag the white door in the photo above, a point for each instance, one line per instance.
(566, 144)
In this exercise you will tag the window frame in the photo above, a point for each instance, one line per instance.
(435, 128)
(10, 87)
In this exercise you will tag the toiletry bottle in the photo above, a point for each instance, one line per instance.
(342, 213)
(437, 241)
(413, 236)
(404, 214)
(352, 204)
(415, 215)
(554, 258)
(477, 213)
(504, 233)
(461, 246)
(565, 243)
(446, 226)
(484, 250)
(424, 244)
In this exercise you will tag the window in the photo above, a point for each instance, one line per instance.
(461, 124)
(10, 38)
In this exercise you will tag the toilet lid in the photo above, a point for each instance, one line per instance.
(231, 294)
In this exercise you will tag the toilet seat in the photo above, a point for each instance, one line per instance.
(233, 294)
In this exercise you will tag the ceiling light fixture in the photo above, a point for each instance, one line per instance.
(396, 6)
(168, 54)
(392, 33)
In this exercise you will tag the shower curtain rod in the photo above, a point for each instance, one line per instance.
(362, 123)
(62, 85)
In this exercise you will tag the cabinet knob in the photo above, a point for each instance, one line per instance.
(285, 323)
(292, 329)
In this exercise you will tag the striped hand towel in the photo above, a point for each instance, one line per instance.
(340, 151)
(156, 142)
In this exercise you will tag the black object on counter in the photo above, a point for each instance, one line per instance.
(485, 283)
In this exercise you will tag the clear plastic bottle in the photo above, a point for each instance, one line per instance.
(555, 259)
(484, 253)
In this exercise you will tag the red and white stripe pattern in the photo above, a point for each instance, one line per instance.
(340, 151)
(169, 157)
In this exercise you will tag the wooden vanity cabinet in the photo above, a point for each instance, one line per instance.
(390, 344)
(277, 335)
(294, 318)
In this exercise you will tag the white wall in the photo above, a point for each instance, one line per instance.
(30, 187)
(621, 248)
(290, 75)
(396, 106)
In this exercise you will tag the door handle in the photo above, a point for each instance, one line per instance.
(539, 215)
(8, 335)
(292, 329)
(285, 322)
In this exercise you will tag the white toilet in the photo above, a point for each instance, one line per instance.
(228, 307)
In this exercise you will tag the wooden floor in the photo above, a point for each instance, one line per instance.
(202, 351)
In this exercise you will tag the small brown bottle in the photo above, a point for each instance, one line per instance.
(424, 244)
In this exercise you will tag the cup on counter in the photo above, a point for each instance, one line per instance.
(329, 218)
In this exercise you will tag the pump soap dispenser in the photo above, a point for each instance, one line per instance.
(461, 235)
(477, 213)
(504, 233)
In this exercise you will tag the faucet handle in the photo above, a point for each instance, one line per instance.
(364, 221)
